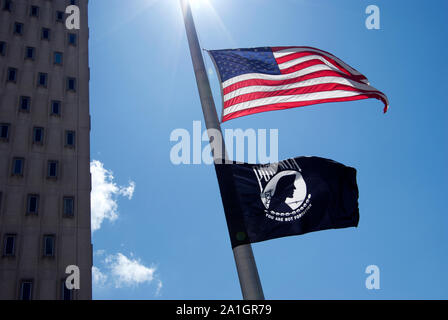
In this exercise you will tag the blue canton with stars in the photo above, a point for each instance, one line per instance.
(235, 62)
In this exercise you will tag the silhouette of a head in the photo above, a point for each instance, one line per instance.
(284, 189)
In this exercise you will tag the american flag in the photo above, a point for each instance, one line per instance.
(273, 78)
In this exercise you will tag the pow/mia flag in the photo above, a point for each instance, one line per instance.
(291, 197)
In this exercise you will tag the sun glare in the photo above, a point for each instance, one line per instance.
(198, 3)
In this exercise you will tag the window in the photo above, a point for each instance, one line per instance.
(70, 139)
(25, 104)
(72, 39)
(45, 34)
(17, 166)
(4, 131)
(66, 293)
(52, 170)
(58, 58)
(7, 6)
(69, 206)
(30, 53)
(2, 48)
(12, 75)
(18, 28)
(49, 245)
(9, 245)
(42, 79)
(34, 11)
(38, 135)
(71, 84)
(26, 290)
(32, 206)
(55, 108)
(59, 16)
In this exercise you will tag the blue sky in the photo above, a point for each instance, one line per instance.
(164, 234)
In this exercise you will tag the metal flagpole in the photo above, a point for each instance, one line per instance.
(244, 257)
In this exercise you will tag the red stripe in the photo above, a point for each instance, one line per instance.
(295, 55)
(306, 64)
(275, 49)
(294, 91)
(301, 54)
(288, 105)
(261, 82)
(325, 54)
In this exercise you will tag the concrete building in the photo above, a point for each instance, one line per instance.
(44, 150)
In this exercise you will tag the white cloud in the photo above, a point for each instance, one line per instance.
(129, 191)
(99, 278)
(104, 193)
(129, 272)
(119, 271)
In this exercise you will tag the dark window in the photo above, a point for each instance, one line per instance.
(29, 53)
(45, 34)
(18, 28)
(34, 12)
(52, 169)
(4, 131)
(58, 58)
(42, 79)
(25, 104)
(2, 48)
(55, 108)
(72, 39)
(26, 290)
(12, 75)
(71, 84)
(32, 204)
(70, 138)
(9, 245)
(69, 205)
(38, 135)
(7, 6)
(17, 166)
(66, 293)
(49, 245)
(59, 16)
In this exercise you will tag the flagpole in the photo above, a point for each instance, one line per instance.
(244, 257)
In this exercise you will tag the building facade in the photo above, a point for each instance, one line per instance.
(45, 179)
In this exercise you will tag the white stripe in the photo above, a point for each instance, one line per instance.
(285, 52)
(291, 98)
(278, 77)
(291, 63)
(306, 83)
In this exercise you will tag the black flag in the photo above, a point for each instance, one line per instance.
(291, 197)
